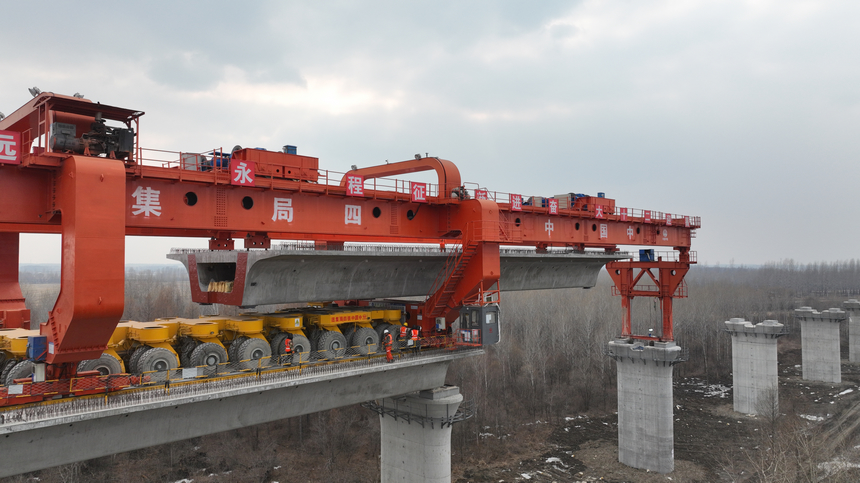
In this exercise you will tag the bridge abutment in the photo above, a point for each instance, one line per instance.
(645, 407)
(819, 338)
(754, 364)
(415, 433)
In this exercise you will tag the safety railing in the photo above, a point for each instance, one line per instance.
(217, 161)
(666, 256)
(609, 211)
(362, 248)
(392, 408)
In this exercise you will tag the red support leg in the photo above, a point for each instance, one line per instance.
(91, 199)
(13, 311)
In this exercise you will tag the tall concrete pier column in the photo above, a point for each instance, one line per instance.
(754, 363)
(416, 434)
(645, 408)
(852, 308)
(819, 338)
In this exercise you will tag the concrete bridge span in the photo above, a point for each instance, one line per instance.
(34, 438)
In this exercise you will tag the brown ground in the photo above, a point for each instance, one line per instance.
(711, 440)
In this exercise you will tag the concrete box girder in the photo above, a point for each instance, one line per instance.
(293, 276)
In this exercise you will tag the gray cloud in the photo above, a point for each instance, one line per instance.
(743, 113)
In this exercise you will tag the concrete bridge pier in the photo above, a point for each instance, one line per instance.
(852, 307)
(754, 364)
(819, 339)
(645, 408)
(416, 434)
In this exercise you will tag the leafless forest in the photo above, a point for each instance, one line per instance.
(550, 366)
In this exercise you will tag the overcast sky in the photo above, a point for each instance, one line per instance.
(743, 113)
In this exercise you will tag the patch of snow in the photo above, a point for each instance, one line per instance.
(837, 465)
(553, 460)
(184, 480)
(277, 467)
(526, 476)
(811, 417)
(845, 392)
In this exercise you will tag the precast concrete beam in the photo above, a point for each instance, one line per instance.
(754, 364)
(819, 336)
(645, 407)
(280, 276)
(33, 445)
(415, 432)
(852, 308)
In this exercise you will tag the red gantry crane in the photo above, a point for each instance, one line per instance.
(75, 167)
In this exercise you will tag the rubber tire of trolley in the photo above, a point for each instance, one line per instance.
(20, 370)
(332, 345)
(234, 347)
(365, 341)
(157, 359)
(253, 350)
(208, 354)
(134, 360)
(301, 348)
(106, 364)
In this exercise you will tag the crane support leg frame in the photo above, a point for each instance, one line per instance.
(13, 311)
(668, 284)
(90, 198)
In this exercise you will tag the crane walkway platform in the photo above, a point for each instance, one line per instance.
(65, 431)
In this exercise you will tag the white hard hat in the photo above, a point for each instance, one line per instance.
(385, 331)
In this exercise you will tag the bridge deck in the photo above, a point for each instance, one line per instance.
(61, 432)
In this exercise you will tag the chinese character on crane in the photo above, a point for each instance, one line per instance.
(146, 201)
(355, 185)
(419, 192)
(242, 173)
(516, 202)
(283, 209)
(9, 147)
(352, 215)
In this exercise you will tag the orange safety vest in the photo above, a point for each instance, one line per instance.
(387, 340)
(403, 331)
(414, 334)
(287, 346)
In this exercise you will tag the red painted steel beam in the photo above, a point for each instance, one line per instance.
(447, 172)
(161, 207)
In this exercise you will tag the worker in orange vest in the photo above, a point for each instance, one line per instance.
(387, 340)
(414, 337)
(288, 349)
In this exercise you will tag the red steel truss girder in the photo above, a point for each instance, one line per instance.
(669, 277)
(26, 205)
